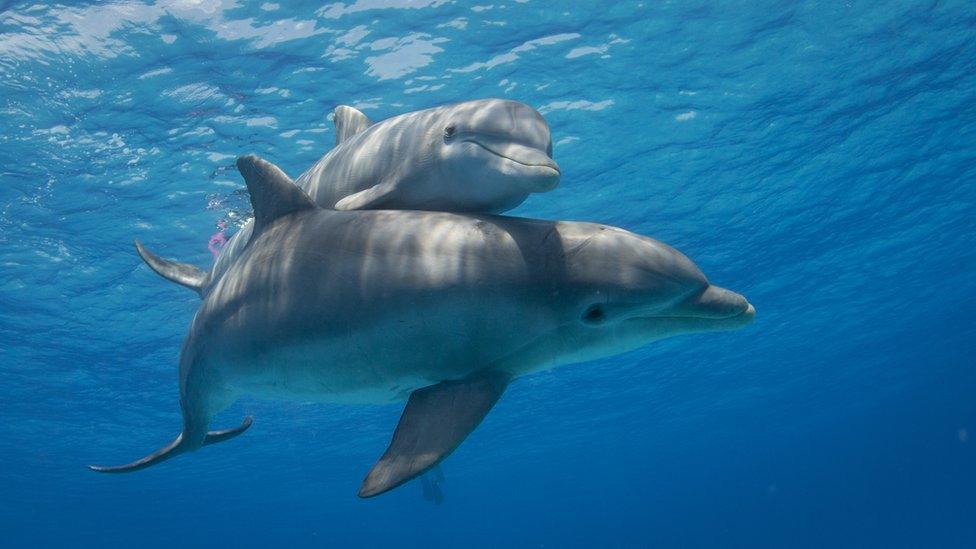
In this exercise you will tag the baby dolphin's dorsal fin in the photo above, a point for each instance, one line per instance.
(348, 122)
(273, 193)
(435, 422)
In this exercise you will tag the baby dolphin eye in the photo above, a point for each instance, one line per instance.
(449, 132)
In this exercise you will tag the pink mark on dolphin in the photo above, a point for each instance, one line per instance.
(218, 239)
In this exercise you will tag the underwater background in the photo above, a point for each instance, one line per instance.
(818, 157)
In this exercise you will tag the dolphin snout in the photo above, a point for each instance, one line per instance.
(539, 171)
(718, 303)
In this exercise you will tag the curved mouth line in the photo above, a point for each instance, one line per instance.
(739, 314)
(517, 161)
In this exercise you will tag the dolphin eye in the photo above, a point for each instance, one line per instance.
(594, 315)
(449, 132)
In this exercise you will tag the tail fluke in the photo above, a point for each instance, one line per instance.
(183, 274)
(213, 437)
(173, 449)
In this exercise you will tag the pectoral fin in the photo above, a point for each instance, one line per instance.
(435, 422)
(374, 198)
(183, 274)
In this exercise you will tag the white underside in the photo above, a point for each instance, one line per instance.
(324, 372)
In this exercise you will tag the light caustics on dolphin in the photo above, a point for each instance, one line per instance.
(439, 309)
(484, 156)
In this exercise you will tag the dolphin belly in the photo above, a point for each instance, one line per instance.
(304, 373)
(376, 360)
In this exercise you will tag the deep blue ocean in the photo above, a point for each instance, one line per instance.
(818, 157)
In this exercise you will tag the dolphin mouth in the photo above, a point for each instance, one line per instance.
(541, 166)
(713, 308)
(699, 323)
(746, 314)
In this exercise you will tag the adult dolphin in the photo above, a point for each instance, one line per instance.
(439, 309)
(482, 156)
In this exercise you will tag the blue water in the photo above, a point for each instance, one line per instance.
(818, 157)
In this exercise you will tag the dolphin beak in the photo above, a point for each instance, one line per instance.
(720, 308)
(717, 302)
(542, 173)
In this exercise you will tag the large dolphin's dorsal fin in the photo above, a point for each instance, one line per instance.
(273, 193)
(183, 274)
(348, 122)
(435, 422)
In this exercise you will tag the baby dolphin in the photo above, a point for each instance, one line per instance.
(482, 156)
(439, 309)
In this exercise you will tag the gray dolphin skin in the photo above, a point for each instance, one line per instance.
(483, 156)
(439, 309)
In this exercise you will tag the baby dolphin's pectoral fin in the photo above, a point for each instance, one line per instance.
(173, 449)
(348, 122)
(373, 198)
(435, 422)
(183, 274)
